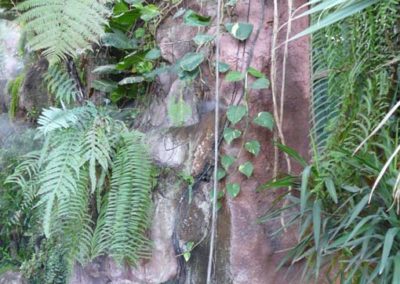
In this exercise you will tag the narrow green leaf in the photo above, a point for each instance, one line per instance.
(357, 210)
(234, 76)
(106, 86)
(246, 169)
(131, 80)
(387, 247)
(292, 153)
(236, 113)
(278, 183)
(264, 119)
(317, 222)
(193, 19)
(330, 186)
(231, 134)
(233, 189)
(240, 31)
(396, 269)
(191, 61)
(259, 84)
(227, 161)
(253, 147)
(305, 176)
(106, 69)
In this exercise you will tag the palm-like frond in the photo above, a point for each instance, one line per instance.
(62, 28)
(61, 85)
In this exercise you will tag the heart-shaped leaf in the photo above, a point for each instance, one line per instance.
(191, 61)
(236, 113)
(227, 161)
(246, 169)
(221, 173)
(200, 39)
(149, 12)
(253, 147)
(193, 19)
(262, 83)
(240, 31)
(233, 189)
(220, 194)
(231, 134)
(153, 54)
(255, 73)
(234, 76)
(223, 67)
(264, 119)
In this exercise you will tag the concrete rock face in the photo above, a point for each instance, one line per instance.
(246, 251)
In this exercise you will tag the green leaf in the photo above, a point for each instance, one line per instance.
(193, 19)
(191, 61)
(233, 189)
(223, 67)
(259, 84)
(187, 255)
(387, 247)
(317, 222)
(118, 40)
(220, 194)
(396, 269)
(240, 31)
(131, 80)
(231, 3)
(200, 39)
(246, 169)
(227, 161)
(153, 54)
(305, 176)
(106, 69)
(234, 76)
(357, 210)
(253, 147)
(149, 12)
(106, 86)
(236, 113)
(178, 111)
(221, 173)
(264, 119)
(231, 134)
(330, 186)
(292, 153)
(255, 73)
(278, 183)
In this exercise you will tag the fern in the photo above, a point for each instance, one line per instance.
(61, 85)
(62, 28)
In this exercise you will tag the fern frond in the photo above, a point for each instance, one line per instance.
(127, 212)
(61, 85)
(62, 28)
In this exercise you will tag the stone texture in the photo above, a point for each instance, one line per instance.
(11, 277)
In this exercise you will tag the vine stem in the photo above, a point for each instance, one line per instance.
(216, 144)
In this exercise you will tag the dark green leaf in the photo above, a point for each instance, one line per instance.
(223, 67)
(118, 40)
(221, 173)
(317, 222)
(357, 209)
(191, 61)
(193, 19)
(278, 183)
(292, 153)
(259, 84)
(396, 273)
(153, 54)
(387, 247)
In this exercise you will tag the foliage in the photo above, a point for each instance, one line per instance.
(345, 230)
(62, 28)
(13, 89)
(87, 199)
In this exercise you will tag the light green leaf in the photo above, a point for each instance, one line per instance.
(253, 147)
(240, 31)
(264, 119)
(106, 86)
(106, 69)
(193, 19)
(220, 194)
(396, 269)
(233, 189)
(231, 134)
(223, 67)
(221, 173)
(178, 111)
(200, 39)
(227, 161)
(234, 76)
(191, 61)
(187, 255)
(246, 169)
(262, 83)
(231, 3)
(305, 176)
(153, 54)
(149, 12)
(255, 73)
(131, 80)
(330, 186)
(317, 222)
(236, 113)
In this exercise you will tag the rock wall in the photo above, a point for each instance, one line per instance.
(246, 250)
